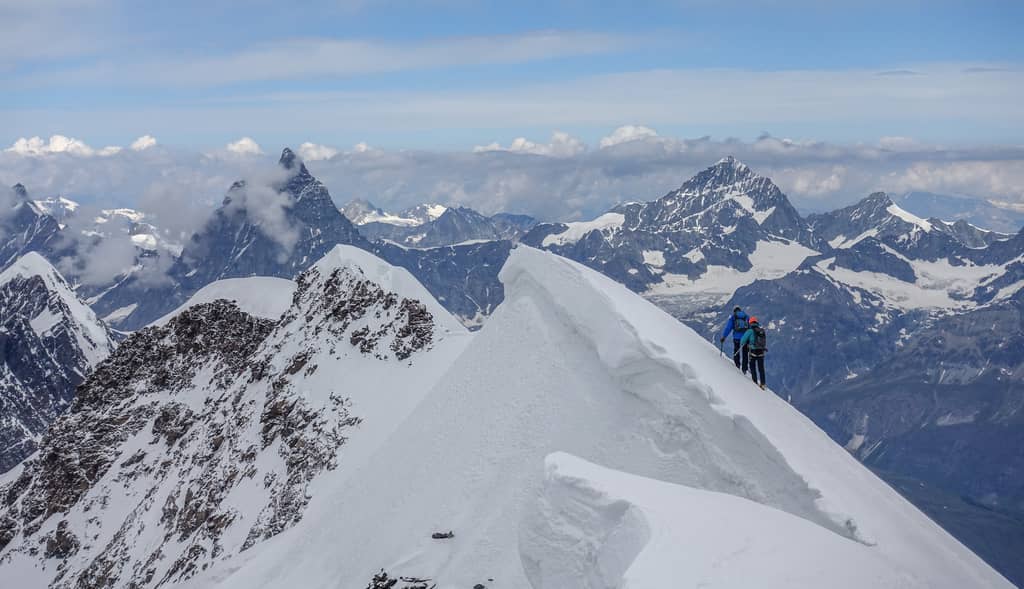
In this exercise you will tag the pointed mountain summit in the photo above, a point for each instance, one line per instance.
(288, 160)
(275, 228)
(20, 191)
(50, 341)
(875, 215)
(361, 211)
(720, 217)
(271, 230)
(26, 227)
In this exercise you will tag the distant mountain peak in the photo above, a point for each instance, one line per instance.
(288, 158)
(730, 161)
(294, 164)
(29, 265)
(19, 189)
(725, 172)
(878, 198)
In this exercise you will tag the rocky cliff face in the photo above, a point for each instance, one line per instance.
(49, 342)
(25, 227)
(201, 436)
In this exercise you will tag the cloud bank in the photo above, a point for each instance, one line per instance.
(37, 146)
(560, 178)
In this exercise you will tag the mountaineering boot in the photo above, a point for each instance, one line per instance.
(762, 387)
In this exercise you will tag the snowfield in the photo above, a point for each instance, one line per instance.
(576, 230)
(585, 439)
(769, 260)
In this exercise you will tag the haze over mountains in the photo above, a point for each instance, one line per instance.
(887, 328)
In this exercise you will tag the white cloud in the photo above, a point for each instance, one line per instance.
(143, 143)
(244, 146)
(36, 146)
(312, 152)
(627, 133)
(1003, 180)
(812, 181)
(584, 184)
(363, 147)
(562, 145)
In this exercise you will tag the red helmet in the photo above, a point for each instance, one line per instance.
(753, 319)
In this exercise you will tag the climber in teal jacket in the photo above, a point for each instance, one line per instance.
(756, 340)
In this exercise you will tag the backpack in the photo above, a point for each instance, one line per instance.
(760, 340)
(740, 324)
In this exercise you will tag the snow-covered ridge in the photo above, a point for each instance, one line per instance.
(93, 339)
(896, 211)
(577, 230)
(390, 278)
(260, 296)
(645, 532)
(362, 212)
(51, 341)
(29, 265)
(573, 362)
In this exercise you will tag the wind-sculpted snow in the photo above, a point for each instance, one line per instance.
(205, 436)
(603, 528)
(573, 362)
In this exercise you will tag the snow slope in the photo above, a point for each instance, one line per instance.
(573, 362)
(209, 434)
(50, 340)
(92, 337)
(577, 230)
(635, 528)
(261, 296)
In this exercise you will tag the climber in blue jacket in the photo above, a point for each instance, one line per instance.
(737, 324)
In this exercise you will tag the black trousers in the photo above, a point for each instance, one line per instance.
(740, 355)
(757, 366)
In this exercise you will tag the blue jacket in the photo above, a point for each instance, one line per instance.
(736, 335)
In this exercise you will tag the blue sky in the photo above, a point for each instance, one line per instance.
(559, 109)
(451, 74)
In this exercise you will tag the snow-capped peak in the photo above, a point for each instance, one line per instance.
(34, 264)
(392, 279)
(425, 213)
(725, 175)
(911, 218)
(57, 207)
(731, 162)
(93, 338)
(51, 341)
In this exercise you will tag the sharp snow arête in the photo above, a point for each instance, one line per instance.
(581, 439)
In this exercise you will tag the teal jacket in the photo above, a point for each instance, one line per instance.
(748, 338)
